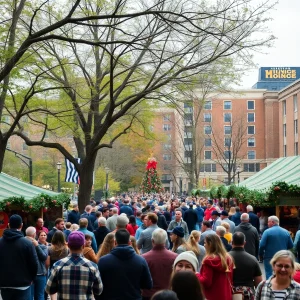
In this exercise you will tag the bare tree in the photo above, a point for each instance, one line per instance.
(131, 51)
(229, 147)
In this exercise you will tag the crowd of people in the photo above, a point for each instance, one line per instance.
(155, 247)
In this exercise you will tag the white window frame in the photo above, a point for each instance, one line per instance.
(230, 105)
(248, 102)
(167, 117)
(248, 117)
(254, 154)
(284, 107)
(210, 129)
(295, 103)
(227, 113)
(210, 142)
(206, 114)
(252, 138)
(167, 156)
(208, 102)
(248, 129)
(225, 130)
(225, 142)
(205, 151)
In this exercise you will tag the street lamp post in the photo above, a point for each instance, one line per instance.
(106, 182)
(28, 164)
(180, 185)
(238, 169)
(58, 166)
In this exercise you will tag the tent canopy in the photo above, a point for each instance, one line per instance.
(283, 169)
(13, 187)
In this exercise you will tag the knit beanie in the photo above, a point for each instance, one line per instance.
(188, 256)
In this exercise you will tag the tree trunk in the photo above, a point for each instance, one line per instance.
(86, 182)
(3, 144)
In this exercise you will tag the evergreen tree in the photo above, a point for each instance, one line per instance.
(151, 182)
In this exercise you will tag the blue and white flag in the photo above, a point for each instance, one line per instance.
(71, 173)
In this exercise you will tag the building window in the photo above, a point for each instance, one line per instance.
(187, 160)
(227, 142)
(167, 157)
(227, 117)
(207, 154)
(251, 129)
(208, 104)
(207, 129)
(207, 142)
(167, 127)
(250, 117)
(251, 154)
(188, 109)
(208, 168)
(188, 134)
(295, 100)
(166, 167)
(284, 130)
(251, 167)
(227, 104)
(251, 142)
(169, 137)
(296, 148)
(166, 177)
(295, 127)
(227, 154)
(151, 128)
(167, 146)
(188, 147)
(188, 122)
(167, 117)
(284, 150)
(250, 104)
(207, 117)
(227, 129)
(284, 107)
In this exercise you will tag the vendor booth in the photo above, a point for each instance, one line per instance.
(29, 201)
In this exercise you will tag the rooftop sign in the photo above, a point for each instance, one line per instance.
(279, 73)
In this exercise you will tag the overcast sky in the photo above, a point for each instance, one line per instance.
(286, 50)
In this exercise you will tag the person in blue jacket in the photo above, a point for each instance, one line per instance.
(274, 239)
(123, 272)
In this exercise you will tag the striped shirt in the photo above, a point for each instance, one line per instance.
(264, 291)
(74, 278)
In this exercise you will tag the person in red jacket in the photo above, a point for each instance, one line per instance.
(217, 270)
(209, 209)
(131, 226)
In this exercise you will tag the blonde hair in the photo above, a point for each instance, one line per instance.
(133, 244)
(74, 227)
(214, 247)
(232, 211)
(226, 225)
(107, 245)
(193, 242)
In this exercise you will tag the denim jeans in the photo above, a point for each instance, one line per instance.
(268, 268)
(38, 287)
(14, 294)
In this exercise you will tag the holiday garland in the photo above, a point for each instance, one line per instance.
(35, 204)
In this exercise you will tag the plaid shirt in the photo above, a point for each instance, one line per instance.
(74, 277)
(264, 291)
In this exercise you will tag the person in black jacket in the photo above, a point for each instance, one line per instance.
(191, 218)
(254, 220)
(18, 262)
(74, 215)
